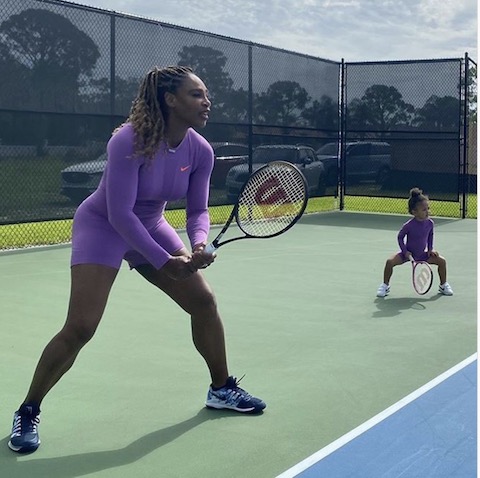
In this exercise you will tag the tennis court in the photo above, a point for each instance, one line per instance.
(302, 322)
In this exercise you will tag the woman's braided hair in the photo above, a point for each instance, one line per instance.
(149, 112)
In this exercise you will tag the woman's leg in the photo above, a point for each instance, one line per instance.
(195, 296)
(90, 287)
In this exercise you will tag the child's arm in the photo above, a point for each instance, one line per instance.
(430, 250)
(402, 234)
(430, 240)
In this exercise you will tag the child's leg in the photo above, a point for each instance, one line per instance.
(442, 267)
(391, 262)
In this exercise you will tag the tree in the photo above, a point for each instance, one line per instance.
(322, 114)
(472, 92)
(14, 75)
(381, 108)
(281, 104)
(209, 65)
(98, 93)
(52, 54)
(439, 113)
(235, 108)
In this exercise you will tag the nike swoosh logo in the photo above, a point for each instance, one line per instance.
(184, 168)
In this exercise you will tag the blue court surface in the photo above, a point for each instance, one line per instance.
(431, 433)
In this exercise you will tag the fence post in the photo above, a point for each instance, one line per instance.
(464, 181)
(112, 69)
(342, 166)
(250, 109)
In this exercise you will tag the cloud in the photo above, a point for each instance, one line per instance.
(357, 30)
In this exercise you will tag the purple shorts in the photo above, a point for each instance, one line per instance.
(423, 256)
(95, 241)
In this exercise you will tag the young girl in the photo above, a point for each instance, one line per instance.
(156, 156)
(418, 233)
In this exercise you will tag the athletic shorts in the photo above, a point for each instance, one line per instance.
(419, 257)
(95, 241)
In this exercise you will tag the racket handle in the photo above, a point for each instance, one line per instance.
(210, 248)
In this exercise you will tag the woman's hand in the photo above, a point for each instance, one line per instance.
(201, 259)
(183, 266)
(179, 267)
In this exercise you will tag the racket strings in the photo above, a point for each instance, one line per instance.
(422, 277)
(271, 200)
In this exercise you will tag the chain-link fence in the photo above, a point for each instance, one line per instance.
(402, 129)
(70, 72)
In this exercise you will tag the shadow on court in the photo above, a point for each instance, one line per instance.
(391, 307)
(388, 222)
(19, 466)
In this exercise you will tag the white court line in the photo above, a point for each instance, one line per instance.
(319, 455)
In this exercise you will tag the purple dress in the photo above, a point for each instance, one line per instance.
(419, 238)
(123, 218)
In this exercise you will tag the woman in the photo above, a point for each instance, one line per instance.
(154, 157)
(415, 240)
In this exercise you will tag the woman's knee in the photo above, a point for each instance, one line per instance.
(194, 295)
(77, 335)
(204, 303)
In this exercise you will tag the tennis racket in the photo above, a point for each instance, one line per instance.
(270, 202)
(422, 276)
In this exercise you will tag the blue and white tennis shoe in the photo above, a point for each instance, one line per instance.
(232, 397)
(24, 437)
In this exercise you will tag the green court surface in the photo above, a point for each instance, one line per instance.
(302, 322)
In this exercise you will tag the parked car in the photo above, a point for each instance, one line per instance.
(365, 160)
(82, 179)
(227, 155)
(302, 156)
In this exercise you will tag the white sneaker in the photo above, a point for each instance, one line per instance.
(445, 289)
(383, 290)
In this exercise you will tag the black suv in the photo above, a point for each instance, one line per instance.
(301, 156)
(365, 160)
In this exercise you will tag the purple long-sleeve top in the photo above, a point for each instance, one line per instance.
(134, 191)
(415, 236)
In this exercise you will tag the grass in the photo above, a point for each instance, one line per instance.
(399, 206)
(31, 183)
(15, 236)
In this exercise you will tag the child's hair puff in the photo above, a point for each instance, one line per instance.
(416, 196)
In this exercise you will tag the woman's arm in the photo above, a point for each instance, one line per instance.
(121, 192)
(198, 219)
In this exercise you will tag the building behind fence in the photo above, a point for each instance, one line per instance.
(70, 72)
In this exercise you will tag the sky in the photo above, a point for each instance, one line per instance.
(355, 30)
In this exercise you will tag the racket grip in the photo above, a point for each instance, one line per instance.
(210, 248)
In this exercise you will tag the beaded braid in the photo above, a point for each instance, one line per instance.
(416, 196)
(149, 112)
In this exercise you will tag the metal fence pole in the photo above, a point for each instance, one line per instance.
(112, 68)
(250, 109)
(343, 120)
(465, 139)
